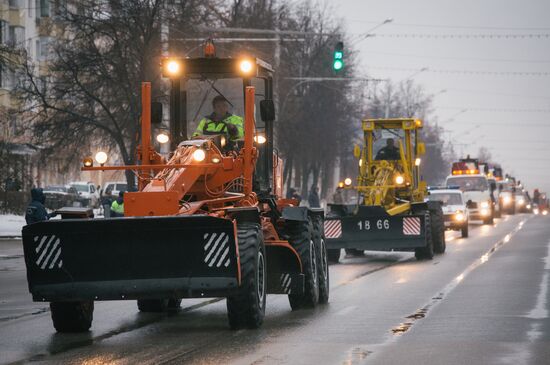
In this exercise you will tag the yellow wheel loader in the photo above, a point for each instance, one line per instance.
(391, 212)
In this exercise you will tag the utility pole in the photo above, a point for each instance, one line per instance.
(165, 84)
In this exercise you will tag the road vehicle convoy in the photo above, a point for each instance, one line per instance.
(206, 222)
(465, 175)
(454, 208)
(87, 193)
(392, 213)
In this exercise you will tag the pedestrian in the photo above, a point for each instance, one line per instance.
(107, 201)
(313, 197)
(36, 211)
(117, 208)
(338, 196)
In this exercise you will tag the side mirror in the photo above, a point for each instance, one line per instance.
(421, 148)
(357, 151)
(469, 204)
(156, 112)
(267, 110)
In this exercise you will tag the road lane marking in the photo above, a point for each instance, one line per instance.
(403, 327)
(540, 311)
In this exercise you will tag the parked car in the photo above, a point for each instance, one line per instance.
(115, 187)
(59, 196)
(87, 193)
(455, 212)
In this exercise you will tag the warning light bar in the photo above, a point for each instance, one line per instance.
(466, 172)
(464, 168)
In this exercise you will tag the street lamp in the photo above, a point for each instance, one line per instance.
(417, 72)
(368, 33)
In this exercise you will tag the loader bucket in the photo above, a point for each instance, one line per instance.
(371, 229)
(131, 258)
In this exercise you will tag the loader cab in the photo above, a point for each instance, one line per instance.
(391, 144)
(194, 84)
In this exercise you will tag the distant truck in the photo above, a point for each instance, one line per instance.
(87, 193)
(465, 175)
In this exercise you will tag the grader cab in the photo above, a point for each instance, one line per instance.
(390, 212)
(206, 221)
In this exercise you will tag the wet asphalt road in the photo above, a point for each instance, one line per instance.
(485, 301)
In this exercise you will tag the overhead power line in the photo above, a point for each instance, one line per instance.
(466, 72)
(450, 26)
(477, 59)
(505, 110)
(464, 35)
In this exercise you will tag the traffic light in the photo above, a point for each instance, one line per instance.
(338, 57)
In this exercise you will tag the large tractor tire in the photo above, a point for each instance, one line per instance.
(322, 259)
(333, 255)
(300, 237)
(426, 253)
(437, 221)
(247, 308)
(72, 316)
(354, 252)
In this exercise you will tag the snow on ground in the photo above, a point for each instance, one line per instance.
(10, 225)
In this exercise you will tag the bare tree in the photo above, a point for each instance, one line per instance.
(91, 92)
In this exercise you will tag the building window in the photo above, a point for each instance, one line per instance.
(43, 48)
(14, 4)
(44, 8)
(17, 36)
(3, 32)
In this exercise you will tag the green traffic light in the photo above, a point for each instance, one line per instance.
(338, 64)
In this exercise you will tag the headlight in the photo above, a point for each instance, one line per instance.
(528, 206)
(485, 211)
(101, 157)
(459, 217)
(88, 162)
(216, 159)
(245, 66)
(199, 155)
(347, 181)
(521, 201)
(260, 139)
(162, 138)
(484, 204)
(507, 200)
(172, 68)
(417, 161)
(544, 212)
(399, 179)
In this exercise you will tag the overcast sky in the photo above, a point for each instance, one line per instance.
(509, 114)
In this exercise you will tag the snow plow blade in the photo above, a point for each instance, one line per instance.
(373, 229)
(131, 258)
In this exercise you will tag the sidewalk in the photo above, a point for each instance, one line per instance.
(10, 225)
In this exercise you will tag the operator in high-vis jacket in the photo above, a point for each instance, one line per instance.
(221, 121)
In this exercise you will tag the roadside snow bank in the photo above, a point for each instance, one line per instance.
(10, 225)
